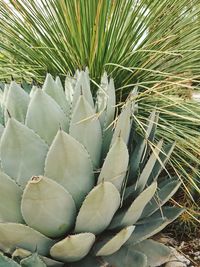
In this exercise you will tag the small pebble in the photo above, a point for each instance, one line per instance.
(187, 261)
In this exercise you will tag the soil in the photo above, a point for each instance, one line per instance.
(191, 250)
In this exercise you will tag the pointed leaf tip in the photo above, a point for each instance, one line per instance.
(85, 127)
(114, 168)
(64, 155)
(48, 112)
(97, 210)
(73, 248)
(116, 242)
(16, 102)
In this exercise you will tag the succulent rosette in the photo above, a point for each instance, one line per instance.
(79, 184)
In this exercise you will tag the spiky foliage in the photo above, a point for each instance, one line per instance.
(155, 39)
(153, 44)
(76, 182)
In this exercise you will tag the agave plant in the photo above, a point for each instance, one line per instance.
(80, 187)
(154, 44)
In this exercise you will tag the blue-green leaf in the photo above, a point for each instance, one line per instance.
(42, 209)
(82, 87)
(163, 195)
(32, 261)
(127, 257)
(98, 209)
(123, 124)
(69, 164)
(45, 116)
(7, 262)
(10, 200)
(157, 253)
(115, 243)
(132, 215)
(154, 224)
(145, 174)
(115, 165)
(85, 127)
(73, 247)
(22, 152)
(16, 103)
(56, 91)
(14, 235)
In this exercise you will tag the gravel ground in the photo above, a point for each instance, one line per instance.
(186, 252)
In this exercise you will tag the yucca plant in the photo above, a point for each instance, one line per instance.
(156, 40)
(77, 185)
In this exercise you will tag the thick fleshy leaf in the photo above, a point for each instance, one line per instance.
(82, 87)
(151, 136)
(5, 94)
(33, 90)
(88, 261)
(7, 262)
(14, 235)
(162, 196)
(143, 178)
(45, 116)
(115, 243)
(48, 207)
(111, 102)
(1, 122)
(98, 209)
(22, 152)
(133, 98)
(170, 213)
(32, 261)
(154, 224)
(107, 104)
(10, 200)
(56, 91)
(164, 157)
(157, 253)
(132, 215)
(85, 127)
(155, 120)
(102, 99)
(26, 86)
(1, 119)
(20, 253)
(115, 164)
(106, 101)
(73, 247)
(123, 125)
(2, 86)
(107, 137)
(17, 101)
(51, 263)
(127, 257)
(49, 85)
(69, 89)
(69, 164)
(146, 230)
(138, 153)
